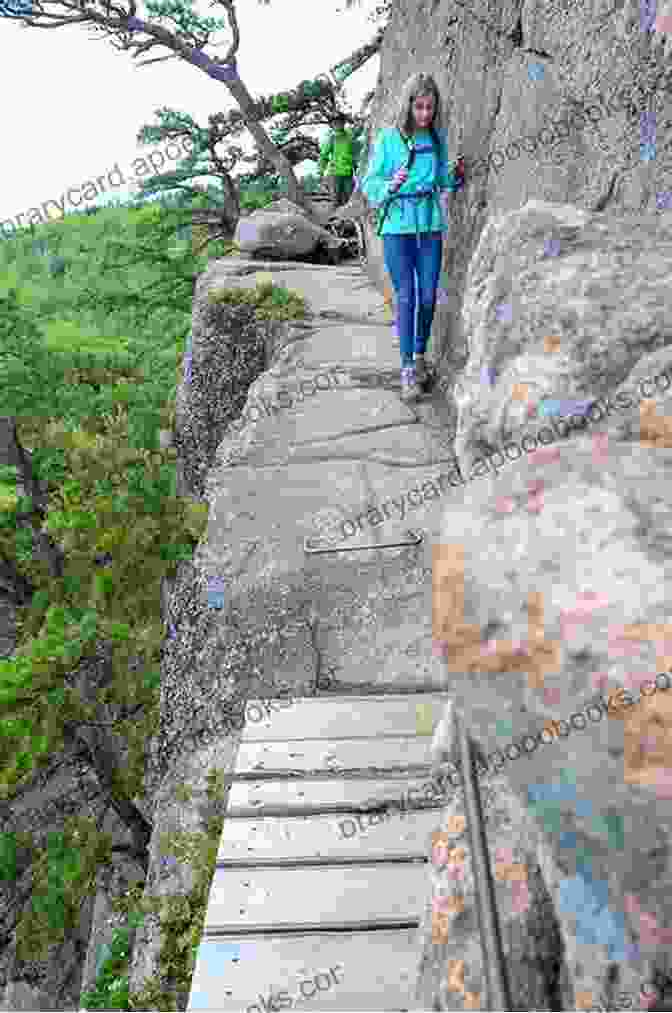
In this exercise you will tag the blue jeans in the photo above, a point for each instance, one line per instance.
(407, 258)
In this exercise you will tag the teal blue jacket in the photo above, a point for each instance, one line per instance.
(414, 215)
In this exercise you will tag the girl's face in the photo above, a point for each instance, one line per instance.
(423, 111)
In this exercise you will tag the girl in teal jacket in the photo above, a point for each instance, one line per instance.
(414, 222)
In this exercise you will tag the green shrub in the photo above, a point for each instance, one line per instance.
(269, 300)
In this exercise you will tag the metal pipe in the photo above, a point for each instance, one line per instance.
(494, 966)
(416, 538)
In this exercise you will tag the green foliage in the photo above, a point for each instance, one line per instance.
(91, 422)
(298, 100)
(111, 991)
(270, 301)
(64, 875)
(311, 182)
(111, 286)
(253, 198)
(181, 14)
(181, 919)
(7, 858)
(89, 357)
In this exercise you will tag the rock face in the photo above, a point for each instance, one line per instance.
(53, 983)
(7, 626)
(537, 619)
(532, 352)
(67, 787)
(594, 84)
(551, 582)
(216, 657)
(451, 974)
(227, 349)
(282, 230)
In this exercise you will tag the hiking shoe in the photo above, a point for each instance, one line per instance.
(409, 386)
(426, 375)
(421, 372)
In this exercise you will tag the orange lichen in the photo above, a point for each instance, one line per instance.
(511, 871)
(552, 343)
(461, 642)
(647, 733)
(456, 976)
(442, 908)
(440, 848)
(456, 824)
(457, 855)
(654, 430)
(659, 633)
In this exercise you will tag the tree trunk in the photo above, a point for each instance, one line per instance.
(268, 150)
(231, 203)
(12, 453)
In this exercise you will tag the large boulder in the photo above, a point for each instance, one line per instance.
(532, 354)
(282, 230)
(548, 71)
(551, 600)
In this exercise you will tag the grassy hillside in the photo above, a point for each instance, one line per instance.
(94, 315)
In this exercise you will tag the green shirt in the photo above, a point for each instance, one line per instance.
(336, 155)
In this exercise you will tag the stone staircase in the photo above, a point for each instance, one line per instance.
(318, 889)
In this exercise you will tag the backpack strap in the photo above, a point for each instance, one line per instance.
(435, 140)
(409, 164)
(436, 143)
(382, 213)
(411, 151)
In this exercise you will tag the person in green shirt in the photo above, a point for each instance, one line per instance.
(336, 161)
(408, 174)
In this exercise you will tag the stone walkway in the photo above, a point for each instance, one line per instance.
(302, 472)
(281, 488)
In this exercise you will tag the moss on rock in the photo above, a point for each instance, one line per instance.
(269, 301)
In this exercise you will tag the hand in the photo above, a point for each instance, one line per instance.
(399, 177)
(458, 171)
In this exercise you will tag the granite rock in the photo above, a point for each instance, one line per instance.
(495, 110)
(567, 327)
(282, 230)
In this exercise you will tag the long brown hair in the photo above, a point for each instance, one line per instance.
(417, 84)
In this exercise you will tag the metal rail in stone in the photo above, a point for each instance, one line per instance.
(494, 965)
(416, 538)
